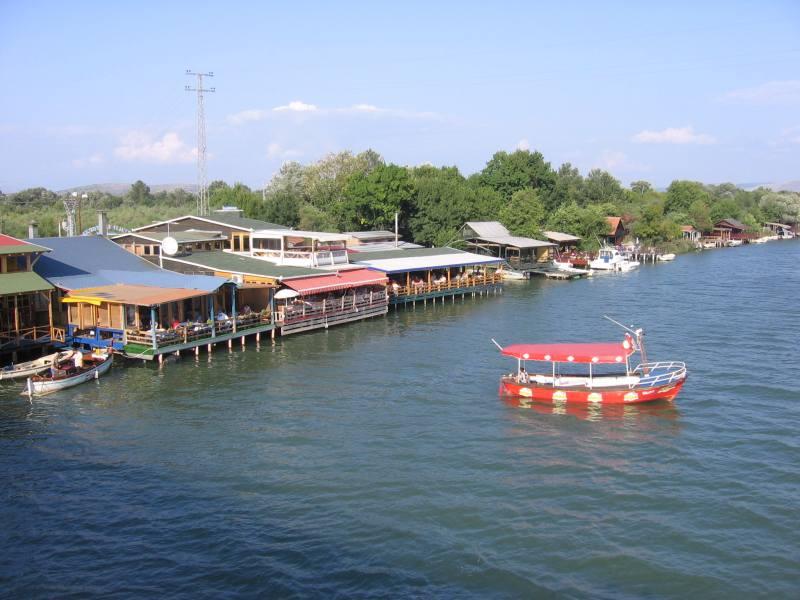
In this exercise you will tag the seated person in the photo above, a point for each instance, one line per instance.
(522, 376)
(246, 309)
(221, 316)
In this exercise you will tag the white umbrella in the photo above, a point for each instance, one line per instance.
(285, 294)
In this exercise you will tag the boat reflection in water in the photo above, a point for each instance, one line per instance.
(600, 412)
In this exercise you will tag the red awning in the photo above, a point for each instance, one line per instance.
(605, 353)
(307, 286)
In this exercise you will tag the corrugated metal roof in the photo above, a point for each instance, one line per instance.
(191, 235)
(92, 261)
(12, 245)
(244, 265)
(414, 260)
(232, 220)
(488, 228)
(559, 237)
(398, 252)
(370, 235)
(140, 295)
(516, 241)
(22, 283)
(336, 281)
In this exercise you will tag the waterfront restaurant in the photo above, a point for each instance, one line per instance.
(235, 228)
(26, 310)
(423, 274)
(307, 298)
(113, 298)
(492, 238)
(305, 303)
(296, 248)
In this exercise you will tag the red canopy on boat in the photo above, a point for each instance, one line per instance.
(604, 353)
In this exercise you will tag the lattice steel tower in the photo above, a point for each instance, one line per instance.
(71, 203)
(202, 186)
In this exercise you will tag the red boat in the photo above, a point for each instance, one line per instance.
(646, 382)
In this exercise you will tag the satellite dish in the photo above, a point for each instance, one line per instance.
(169, 246)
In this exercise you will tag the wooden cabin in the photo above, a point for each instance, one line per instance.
(564, 242)
(690, 234)
(616, 231)
(491, 238)
(26, 309)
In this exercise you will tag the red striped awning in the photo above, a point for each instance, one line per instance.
(343, 280)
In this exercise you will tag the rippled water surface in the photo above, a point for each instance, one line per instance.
(376, 459)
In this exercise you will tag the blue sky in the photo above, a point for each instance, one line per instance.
(93, 91)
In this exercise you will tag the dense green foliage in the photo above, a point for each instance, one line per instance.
(351, 192)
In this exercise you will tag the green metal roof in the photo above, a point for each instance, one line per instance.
(180, 236)
(235, 263)
(19, 248)
(22, 283)
(407, 253)
(244, 222)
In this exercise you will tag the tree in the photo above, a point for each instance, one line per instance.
(139, 193)
(700, 216)
(508, 173)
(568, 188)
(371, 200)
(681, 194)
(600, 187)
(589, 223)
(525, 214)
(281, 207)
(641, 187)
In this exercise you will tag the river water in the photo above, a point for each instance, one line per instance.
(376, 459)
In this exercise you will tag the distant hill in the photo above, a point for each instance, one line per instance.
(786, 186)
(120, 189)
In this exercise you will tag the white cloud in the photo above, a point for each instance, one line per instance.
(613, 160)
(772, 92)
(253, 114)
(141, 146)
(673, 135)
(296, 106)
(89, 161)
(275, 150)
(300, 108)
(523, 144)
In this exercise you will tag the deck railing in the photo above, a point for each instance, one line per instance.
(194, 332)
(306, 310)
(27, 334)
(660, 373)
(454, 284)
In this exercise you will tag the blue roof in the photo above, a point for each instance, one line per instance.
(92, 261)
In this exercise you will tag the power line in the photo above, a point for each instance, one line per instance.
(202, 187)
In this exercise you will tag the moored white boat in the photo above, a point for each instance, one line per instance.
(666, 257)
(567, 267)
(610, 259)
(32, 367)
(93, 366)
(511, 274)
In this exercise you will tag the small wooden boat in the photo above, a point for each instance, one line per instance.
(32, 367)
(510, 274)
(666, 257)
(63, 376)
(646, 382)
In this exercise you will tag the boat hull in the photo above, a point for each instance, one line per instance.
(624, 395)
(40, 386)
(33, 367)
